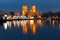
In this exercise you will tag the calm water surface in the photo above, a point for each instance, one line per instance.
(30, 30)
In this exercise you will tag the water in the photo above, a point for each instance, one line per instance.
(30, 30)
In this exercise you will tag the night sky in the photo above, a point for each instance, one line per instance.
(42, 5)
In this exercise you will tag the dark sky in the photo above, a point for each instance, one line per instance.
(42, 5)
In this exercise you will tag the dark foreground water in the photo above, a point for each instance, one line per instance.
(30, 30)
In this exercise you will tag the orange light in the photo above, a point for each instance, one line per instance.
(39, 22)
(33, 8)
(24, 10)
(24, 28)
(33, 28)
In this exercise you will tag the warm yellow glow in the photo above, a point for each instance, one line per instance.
(23, 22)
(28, 22)
(40, 16)
(10, 16)
(33, 28)
(24, 28)
(39, 22)
(31, 21)
(24, 10)
(33, 8)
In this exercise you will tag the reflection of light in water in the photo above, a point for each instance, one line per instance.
(23, 22)
(53, 22)
(5, 25)
(18, 23)
(39, 22)
(31, 21)
(9, 24)
(50, 22)
(24, 28)
(43, 22)
(33, 28)
(14, 22)
(28, 22)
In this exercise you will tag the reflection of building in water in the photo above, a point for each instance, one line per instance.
(32, 25)
(50, 22)
(9, 24)
(28, 22)
(39, 22)
(24, 28)
(5, 25)
(33, 28)
(23, 22)
(54, 22)
(18, 23)
(43, 22)
(14, 22)
(31, 21)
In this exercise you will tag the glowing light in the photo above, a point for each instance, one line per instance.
(14, 22)
(24, 28)
(39, 22)
(50, 22)
(53, 22)
(18, 23)
(9, 24)
(5, 25)
(5, 15)
(23, 22)
(31, 21)
(33, 8)
(24, 10)
(33, 28)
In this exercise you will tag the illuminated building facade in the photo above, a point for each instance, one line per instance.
(24, 10)
(33, 8)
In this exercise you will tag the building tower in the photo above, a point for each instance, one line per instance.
(33, 8)
(24, 10)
